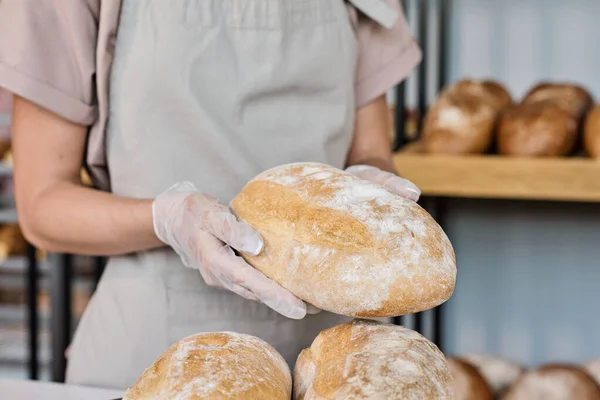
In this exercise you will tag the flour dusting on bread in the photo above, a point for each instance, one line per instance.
(344, 244)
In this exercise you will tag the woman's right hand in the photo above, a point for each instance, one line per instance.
(204, 234)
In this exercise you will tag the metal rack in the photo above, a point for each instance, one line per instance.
(432, 16)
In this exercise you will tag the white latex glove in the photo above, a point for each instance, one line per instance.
(204, 233)
(390, 181)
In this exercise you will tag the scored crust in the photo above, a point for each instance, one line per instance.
(371, 360)
(346, 245)
(220, 365)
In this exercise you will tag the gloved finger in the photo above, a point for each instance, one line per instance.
(242, 291)
(218, 220)
(392, 182)
(403, 187)
(265, 289)
(310, 309)
(232, 270)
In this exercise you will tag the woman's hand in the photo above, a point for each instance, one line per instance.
(205, 233)
(389, 180)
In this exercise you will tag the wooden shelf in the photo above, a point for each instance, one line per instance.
(575, 179)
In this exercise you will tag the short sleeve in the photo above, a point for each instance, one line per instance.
(386, 56)
(47, 54)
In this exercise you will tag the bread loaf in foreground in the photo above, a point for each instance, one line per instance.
(498, 372)
(468, 382)
(591, 133)
(463, 117)
(592, 367)
(371, 360)
(554, 382)
(222, 365)
(344, 244)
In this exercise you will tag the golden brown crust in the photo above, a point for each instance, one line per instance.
(369, 359)
(536, 130)
(572, 98)
(591, 135)
(469, 384)
(221, 365)
(554, 382)
(498, 372)
(346, 245)
(463, 117)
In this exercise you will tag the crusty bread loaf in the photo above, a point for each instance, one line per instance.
(371, 360)
(591, 134)
(546, 122)
(554, 382)
(498, 372)
(463, 117)
(344, 244)
(469, 384)
(223, 365)
(592, 367)
(572, 98)
(536, 130)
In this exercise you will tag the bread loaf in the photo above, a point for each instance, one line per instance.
(570, 97)
(536, 130)
(223, 365)
(591, 134)
(344, 244)
(463, 117)
(468, 382)
(371, 360)
(592, 367)
(546, 123)
(498, 372)
(554, 382)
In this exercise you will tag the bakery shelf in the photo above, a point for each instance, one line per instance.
(574, 179)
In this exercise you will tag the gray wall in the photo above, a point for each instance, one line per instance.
(529, 273)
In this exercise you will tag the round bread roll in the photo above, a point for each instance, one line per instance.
(463, 117)
(591, 134)
(592, 367)
(223, 365)
(371, 360)
(570, 97)
(536, 130)
(554, 382)
(469, 384)
(346, 245)
(498, 372)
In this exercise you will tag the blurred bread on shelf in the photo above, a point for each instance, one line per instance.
(591, 133)
(554, 382)
(546, 123)
(12, 242)
(592, 367)
(499, 373)
(541, 130)
(463, 117)
(469, 383)
(572, 98)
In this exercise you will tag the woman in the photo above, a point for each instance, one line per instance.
(173, 105)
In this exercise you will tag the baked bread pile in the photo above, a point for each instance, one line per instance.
(553, 119)
(546, 122)
(479, 376)
(344, 245)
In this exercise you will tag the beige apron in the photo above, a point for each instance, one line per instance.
(214, 92)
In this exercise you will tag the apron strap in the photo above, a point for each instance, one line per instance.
(378, 10)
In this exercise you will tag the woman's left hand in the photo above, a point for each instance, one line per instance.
(389, 180)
